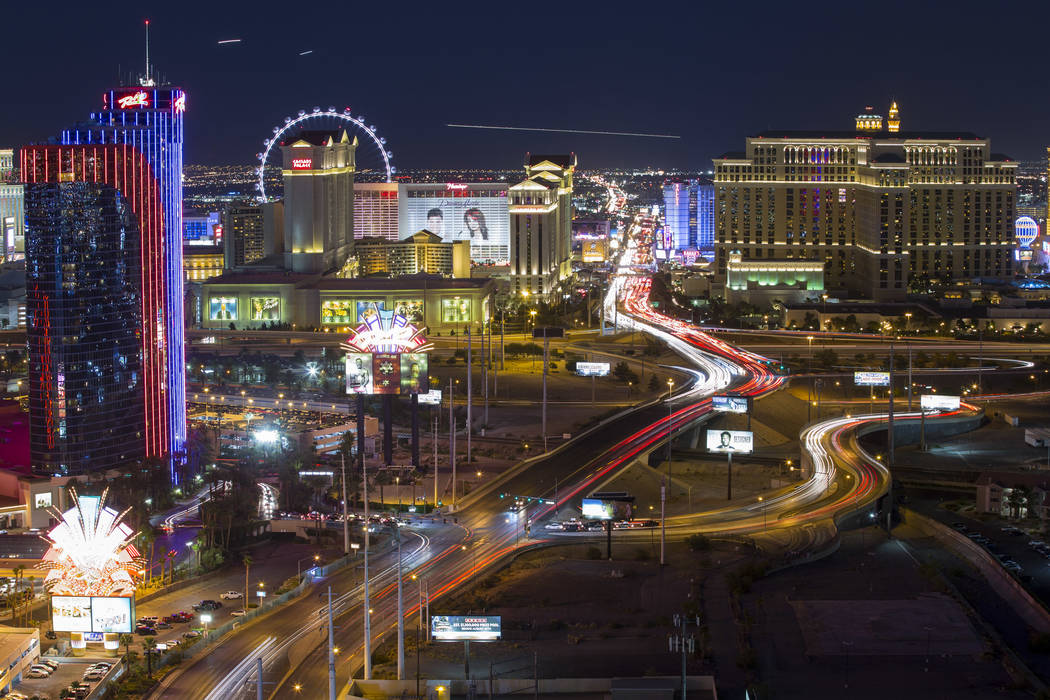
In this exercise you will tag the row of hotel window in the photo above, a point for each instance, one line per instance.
(336, 311)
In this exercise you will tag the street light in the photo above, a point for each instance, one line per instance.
(809, 371)
(763, 504)
(298, 569)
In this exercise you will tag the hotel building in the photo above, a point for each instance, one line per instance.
(540, 209)
(879, 208)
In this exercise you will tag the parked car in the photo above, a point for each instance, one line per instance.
(34, 673)
(95, 675)
(232, 595)
(191, 634)
(162, 625)
(50, 663)
(239, 613)
(145, 631)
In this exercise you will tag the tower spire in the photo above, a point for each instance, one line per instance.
(148, 80)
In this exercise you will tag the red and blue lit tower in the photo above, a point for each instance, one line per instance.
(97, 286)
(150, 119)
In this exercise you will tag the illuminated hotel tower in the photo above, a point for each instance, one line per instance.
(150, 119)
(97, 284)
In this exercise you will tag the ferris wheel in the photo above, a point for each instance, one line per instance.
(373, 159)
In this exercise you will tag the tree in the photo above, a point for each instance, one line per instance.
(247, 559)
(654, 383)
(126, 640)
(149, 645)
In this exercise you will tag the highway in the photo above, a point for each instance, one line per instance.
(488, 529)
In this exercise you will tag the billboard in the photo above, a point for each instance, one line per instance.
(386, 373)
(732, 441)
(265, 308)
(92, 614)
(473, 628)
(359, 373)
(459, 212)
(71, 613)
(594, 250)
(431, 398)
(222, 309)
(592, 369)
(597, 509)
(414, 369)
(730, 404)
(112, 615)
(938, 402)
(871, 378)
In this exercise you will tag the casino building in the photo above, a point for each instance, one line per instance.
(878, 208)
(541, 225)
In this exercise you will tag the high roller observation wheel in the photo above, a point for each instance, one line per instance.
(318, 113)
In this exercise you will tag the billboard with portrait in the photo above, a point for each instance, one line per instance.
(386, 373)
(112, 614)
(455, 310)
(414, 368)
(733, 441)
(459, 212)
(71, 613)
(412, 309)
(222, 309)
(359, 373)
(367, 309)
(265, 308)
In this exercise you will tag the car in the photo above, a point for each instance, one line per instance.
(191, 634)
(232, 595)
(51, 634)
(15, 695)
(239, 613)
(35, 673)
(553, 526)
(207, 605)
(594, 525)
(51, 663)
(94, 675)
(163, 625)
(571, 527)
(145, 631)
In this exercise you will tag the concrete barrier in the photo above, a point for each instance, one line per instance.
(698, 686)
(1011, 590)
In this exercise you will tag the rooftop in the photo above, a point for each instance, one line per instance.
(565, 160)
(869, 136)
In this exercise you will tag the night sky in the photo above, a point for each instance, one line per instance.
(711, 72)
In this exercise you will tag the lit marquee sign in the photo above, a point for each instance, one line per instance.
(91, 552)
(385, 332)
(135, 99)
(455, 186)
(180, 104)
(302, 163)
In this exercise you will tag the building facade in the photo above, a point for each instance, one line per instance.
(540, 210)
(881, 210)
(243, 235)
(330, 304)
(150, 119)
(689, 216)
(375, 210)
(424, 252)
(12, 210)
(318, 200)
(97, 284)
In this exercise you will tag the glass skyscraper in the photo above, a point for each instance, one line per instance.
(150, 119)
(97, 285)
(689, 216)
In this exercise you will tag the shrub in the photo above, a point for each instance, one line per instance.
(594, 553)
(698, 543)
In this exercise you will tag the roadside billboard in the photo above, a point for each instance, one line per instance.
(92, 614)
(431, 398)
(359, 373)
(871, 378)
(473, 628)
(733, 441)
(592, 369)
(597, 509)
(730, 404)
(938, 402)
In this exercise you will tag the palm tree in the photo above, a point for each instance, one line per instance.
(126, 640)
(149, 645)
(247, 564)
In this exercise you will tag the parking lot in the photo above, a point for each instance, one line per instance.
(53, 686)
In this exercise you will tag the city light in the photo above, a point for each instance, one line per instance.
(266, 437)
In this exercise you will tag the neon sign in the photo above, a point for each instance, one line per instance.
(180, 104)
(302, 163)
(455, 186)
(138, 99)
(386, 331)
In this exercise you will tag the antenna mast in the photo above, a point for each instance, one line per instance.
(148, 80)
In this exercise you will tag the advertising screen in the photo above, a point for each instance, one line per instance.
(222, 309)
(412, 309)
(386, 373)
(112, 614)
(938, 402)
(597, 509)
(265, 308)
(592, 369)
(871, 378)
(71, 613)
(459, 212)
(367, 309)
(735, 441)
(431, 398)
(337, 311)
(414, 379)
(455, 628)
(359, 373)
(729, 404)
(594, 251)
(455, 310)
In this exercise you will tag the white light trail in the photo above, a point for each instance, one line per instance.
(229, 41)
(563, 131)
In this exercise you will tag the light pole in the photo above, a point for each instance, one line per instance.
(298, 568)
(809, 373)
(762, 503)
(533, 315)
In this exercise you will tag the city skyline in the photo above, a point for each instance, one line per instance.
(713, 79)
